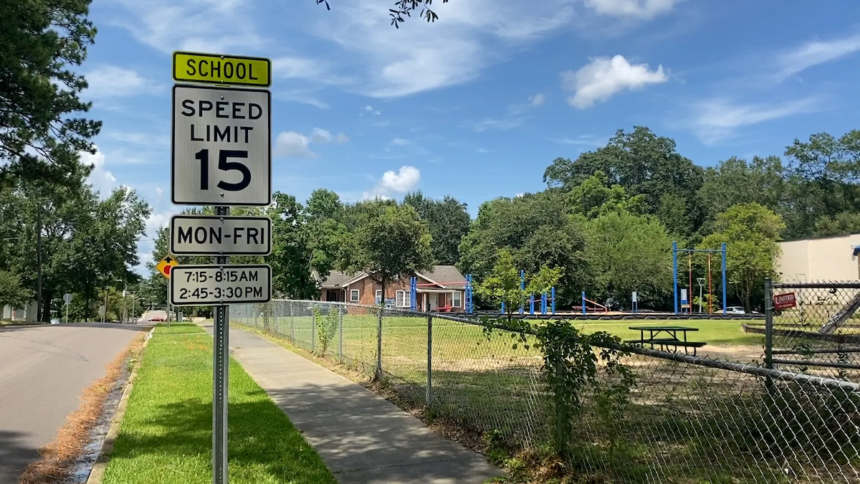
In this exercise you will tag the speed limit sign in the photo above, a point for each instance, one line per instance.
(221, 146)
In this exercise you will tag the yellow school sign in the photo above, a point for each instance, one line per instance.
(222, 69)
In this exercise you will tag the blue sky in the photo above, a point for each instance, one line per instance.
(478, 104)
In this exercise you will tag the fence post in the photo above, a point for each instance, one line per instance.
(340, 337)
(429, 356)
(377, 376)
(768, 328)
(292, 325)
(314, 329)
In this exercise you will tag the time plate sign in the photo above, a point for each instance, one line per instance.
(203, 285)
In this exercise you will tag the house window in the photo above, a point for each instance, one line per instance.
(403, 299)
(353, 295)
(456, 299)
(378, 296)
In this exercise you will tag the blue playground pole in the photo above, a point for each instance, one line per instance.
(413, 290)
(724, 276)
(543, 303)
(522, 287)
(583, 302)
(503, 307)
(469, 305)
(553, 300)
(532, 304)
(675, 274)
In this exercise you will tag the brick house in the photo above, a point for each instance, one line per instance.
(443, 287)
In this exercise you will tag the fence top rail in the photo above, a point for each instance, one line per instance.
(817, 285)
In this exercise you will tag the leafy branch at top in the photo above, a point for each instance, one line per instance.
(404, 8)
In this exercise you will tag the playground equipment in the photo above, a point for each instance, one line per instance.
(597, 307)
(689, 290)
(545, 303)
(467, 292)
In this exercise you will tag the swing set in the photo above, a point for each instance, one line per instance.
(685, 299)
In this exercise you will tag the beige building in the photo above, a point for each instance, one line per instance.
(820, 260)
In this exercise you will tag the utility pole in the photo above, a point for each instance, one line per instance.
(39, 263)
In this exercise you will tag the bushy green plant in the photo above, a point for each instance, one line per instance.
(326, 326)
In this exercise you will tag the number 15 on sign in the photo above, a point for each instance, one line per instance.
(221, 146)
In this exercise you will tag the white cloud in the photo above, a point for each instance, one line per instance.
(296, 68)
(100, 178)
(395, 183)
(501, 124)
(472, 35)
(813, 53)
(400, 142)
(642, 9)
(159, 192)
(113, 81)
(586, 139)
(537, 99)
(603, 77)
(320, 136)
(195, 26)
(290, 144)
(483, 150)
(718, 119)
(369, 111)
(141, 139)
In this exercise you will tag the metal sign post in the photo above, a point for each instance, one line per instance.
(221, 367)
(67, 298)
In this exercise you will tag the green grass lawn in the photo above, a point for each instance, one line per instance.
(166, 434)
(713, 332)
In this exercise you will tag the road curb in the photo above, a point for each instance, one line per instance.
(98, 470)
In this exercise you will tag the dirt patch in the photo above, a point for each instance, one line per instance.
(59, 457)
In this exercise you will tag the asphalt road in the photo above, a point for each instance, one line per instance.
(43, 370)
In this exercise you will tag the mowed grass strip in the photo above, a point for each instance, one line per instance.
(713, 332)
(166, 434)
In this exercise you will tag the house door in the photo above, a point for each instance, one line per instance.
(334, 295)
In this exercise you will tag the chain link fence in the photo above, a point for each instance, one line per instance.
(686, 419)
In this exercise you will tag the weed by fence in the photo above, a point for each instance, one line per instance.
(664, 417)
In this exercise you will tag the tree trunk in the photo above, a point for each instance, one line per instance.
(45, 310)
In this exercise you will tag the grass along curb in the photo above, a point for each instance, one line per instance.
(98, 470)
(59, 456)
(166, 434)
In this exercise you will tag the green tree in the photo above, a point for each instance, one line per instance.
(823, 181)
(448, 221)
(593, 197)
(629, 253)
(643, 164)
(841, 224)
(750, 232)
(291, 256)
(737, 181)
(504, 286)
(537, 231)
(393, 245)
(11, 291)
(41, 133)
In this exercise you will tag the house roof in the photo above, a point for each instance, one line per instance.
(444, 276)
(335, 279)
(439, 274)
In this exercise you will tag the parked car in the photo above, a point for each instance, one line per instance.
(55, 321)
(735, 310)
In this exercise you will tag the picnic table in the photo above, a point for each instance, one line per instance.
(670, 339)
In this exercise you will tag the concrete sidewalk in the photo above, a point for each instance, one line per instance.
(363, 438)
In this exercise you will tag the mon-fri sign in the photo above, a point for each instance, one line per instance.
(221, 146)
(784, 301)
(220, 235)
